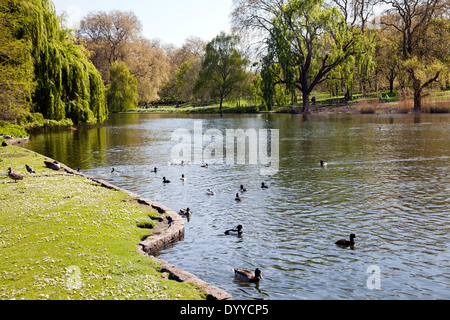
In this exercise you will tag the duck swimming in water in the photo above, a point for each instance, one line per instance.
(264, 186)
(52, 165)
(155, 169)
(237, 197)
(14, 175)
(185, 212)
(322, 163)
(210, 192)
(243, 189)
(182, 177)
(247, 275)
(205, 166)
(237, 230)
(346, 242)
(165, 180)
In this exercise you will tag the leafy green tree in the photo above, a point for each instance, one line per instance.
(67, 83)
(223, 67)
(425, 33)
(310, 41)
(121, 93)
(16, 67)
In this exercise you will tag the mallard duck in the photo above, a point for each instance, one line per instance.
(165, 180)
(14, 175)
(247, 275)
(237, 197)
(185, 212)
(264, 186)
(210, 192)
(237, 230)
(52, 165)
(243, 189)
(346, 242)
(29, 169)
(205, 166)
(323, 164)
(182, 177)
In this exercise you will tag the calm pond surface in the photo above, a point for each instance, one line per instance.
(387, 181)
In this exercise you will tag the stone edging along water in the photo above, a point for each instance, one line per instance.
(173, 230)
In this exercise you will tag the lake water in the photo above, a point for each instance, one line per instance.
(387, 181)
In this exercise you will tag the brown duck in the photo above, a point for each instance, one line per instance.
(13, 175)
(52, 165)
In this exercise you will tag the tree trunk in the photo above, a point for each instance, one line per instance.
(306, 103)
(417, 95)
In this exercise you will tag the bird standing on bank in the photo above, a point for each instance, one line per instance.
(52, 165)
(29, 169)
(14, 175)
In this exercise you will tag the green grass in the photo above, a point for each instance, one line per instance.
(66, 237)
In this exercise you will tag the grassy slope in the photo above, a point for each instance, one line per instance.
(65, 237)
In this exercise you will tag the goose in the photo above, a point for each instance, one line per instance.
(185, 212)
(237, 230)
(237, 197)
(182, 177)
(52, 165)
(346, 242)
(243, 189)
(247, 275)
(165, 180)
(29, 169)
(210, 192)
(323, 164)
(13, 175)
(264, 186)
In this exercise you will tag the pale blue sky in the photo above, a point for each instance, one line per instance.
(171, 21)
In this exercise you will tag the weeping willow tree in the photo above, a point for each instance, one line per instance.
(67, 83)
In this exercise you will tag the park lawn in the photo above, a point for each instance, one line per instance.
(63, 236)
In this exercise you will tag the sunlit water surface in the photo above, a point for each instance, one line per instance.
(387, 181)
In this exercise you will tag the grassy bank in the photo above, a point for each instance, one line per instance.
(65, 237)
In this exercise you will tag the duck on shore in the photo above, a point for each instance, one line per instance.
(14, 175)
(347, 242)
(52, 165)
(29, 169)
(247, 275)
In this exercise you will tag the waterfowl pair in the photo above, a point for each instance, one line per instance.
(347, 242)
(247, 275)
(52, 165)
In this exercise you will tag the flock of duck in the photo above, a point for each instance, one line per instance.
(241, 273)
